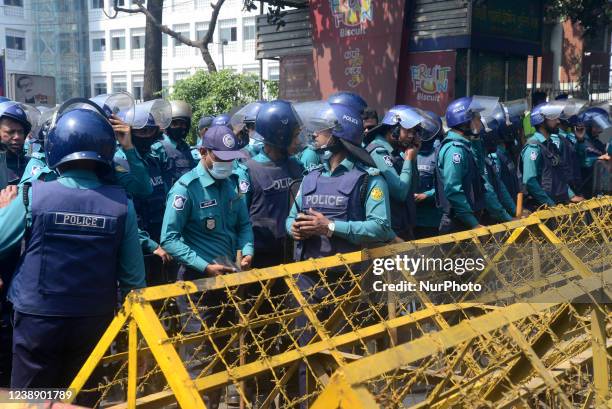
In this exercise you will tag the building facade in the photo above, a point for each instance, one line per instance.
(116, 46)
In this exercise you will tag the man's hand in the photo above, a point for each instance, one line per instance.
(7, 195)
(213, 270)
(576, 199)
(580, 132)
(411, 153)
(161, 253)
(296, 233)
(245, 262)
(419, 197)
(123, 132)
(313, 224)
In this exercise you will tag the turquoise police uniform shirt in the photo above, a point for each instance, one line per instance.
(205, 218)
(532, 170)
(308, 158)
(377, 226)
(492, 203)
(453, 166)
(136, 181)
(427, 213)
(15, 219)
(36, 167)
(400, 185)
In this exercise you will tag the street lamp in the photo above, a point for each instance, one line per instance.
(223, 43)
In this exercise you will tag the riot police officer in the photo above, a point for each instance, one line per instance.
(207, 221)
(459, 187)
(243, 125)
(394, 151)
(14, 126)
(341, 206)
(221, 120)
(545, 176)
(265, 180)
(350, 99)
(428, 215)
(173, 151)
(591, 124)
(64, 304)
(149, 118)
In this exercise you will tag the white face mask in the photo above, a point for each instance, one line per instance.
(221, 170)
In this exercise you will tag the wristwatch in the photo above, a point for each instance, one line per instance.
(330, 229)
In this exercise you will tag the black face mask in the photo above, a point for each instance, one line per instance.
(178, 133)
(143, 145)
(551, 130)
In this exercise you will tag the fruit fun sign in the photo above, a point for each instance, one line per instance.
(431, 80)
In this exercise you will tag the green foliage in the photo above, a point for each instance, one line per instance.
(593, 15)
(215, 93)
(270, 90)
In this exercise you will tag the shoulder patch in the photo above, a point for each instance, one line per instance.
(244, 186)
(388, 160)
(178, 202)
(456, 157)
(377, 194)
(533, 155)
(35, 169)
(372, 171)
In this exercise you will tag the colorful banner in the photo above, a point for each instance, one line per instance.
(356, 47)
(431, 80)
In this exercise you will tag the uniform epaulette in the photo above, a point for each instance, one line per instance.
(532, 141)
(188, 178)
(459, 144)
(372, 171)
(313, 167)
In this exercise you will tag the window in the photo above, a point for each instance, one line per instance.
(97, 4)
(273, 74)
(138, 40)
(121, 3)
(98, 44)
(99, 86)
(164, 40)
(201, 29)
(248, 29)
(118, 40)
(182, 29)
(15, 40)
(119, 84)
(137, 82)
(15, 3)
(180, 75)
(228, 31)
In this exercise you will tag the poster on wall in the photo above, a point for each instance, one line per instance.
(356, 47)
(431, 80)
(33, 89)
(297, 79)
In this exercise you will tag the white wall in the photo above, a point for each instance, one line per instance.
(177, 61)
(15, 20)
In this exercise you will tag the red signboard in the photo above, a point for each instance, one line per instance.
(430, 81)
(357, 45)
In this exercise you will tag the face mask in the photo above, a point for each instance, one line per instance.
(221, 170)
(143, 145)
(177, 133)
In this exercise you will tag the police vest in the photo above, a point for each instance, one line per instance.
(508, 174)
(426, 164)
(269, 208)
(403, 214)
(494, 177)
(16, 165)
(150, 210)
(69, 267)
(554, 175)
(471, 181)
(338, 198)
(180, 161)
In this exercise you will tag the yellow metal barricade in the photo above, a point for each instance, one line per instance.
(320, 333)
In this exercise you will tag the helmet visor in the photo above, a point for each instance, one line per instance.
(120, 104)
(159, 109)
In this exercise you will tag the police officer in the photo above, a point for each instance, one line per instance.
(222, 120)
(203, 124)
(265, 180)
(459, 187)
(205, 222)
(14, 126)
(394, 150)
(64, 304)
(428, 215)
(243, 125)
(592, 123)
(342, 206)
(149, 118)
(545, 176)
(350, 99)
(173, 151)
(370, 119)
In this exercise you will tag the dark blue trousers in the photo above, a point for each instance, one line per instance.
(49, 351)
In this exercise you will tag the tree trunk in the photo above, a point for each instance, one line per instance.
(153, 53)
(210, 64)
